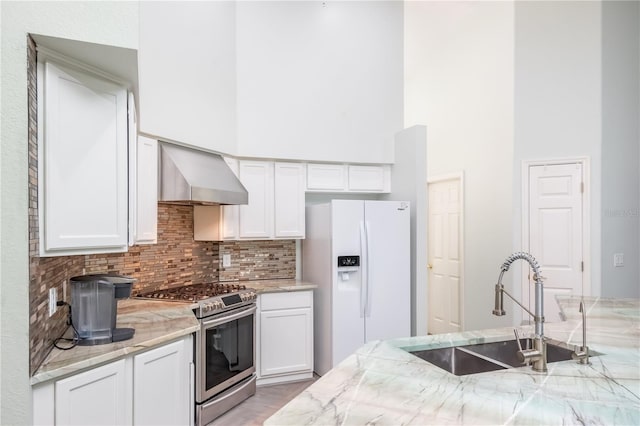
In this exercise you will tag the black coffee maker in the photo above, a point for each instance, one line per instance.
(94, 308)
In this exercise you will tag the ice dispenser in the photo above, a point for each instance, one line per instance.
(347, 265)
(94, 308)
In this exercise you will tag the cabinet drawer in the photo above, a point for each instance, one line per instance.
(286, 300)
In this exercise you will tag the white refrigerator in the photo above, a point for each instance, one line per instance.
(358, 254)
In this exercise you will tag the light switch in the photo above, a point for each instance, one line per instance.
(618, 260)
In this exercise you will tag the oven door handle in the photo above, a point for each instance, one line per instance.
(232, 317)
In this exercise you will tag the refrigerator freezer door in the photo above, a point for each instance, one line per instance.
(347, 321)
(388, 233)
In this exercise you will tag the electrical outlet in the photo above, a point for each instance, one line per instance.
(226, 260)
(53, 301)
(618, 260)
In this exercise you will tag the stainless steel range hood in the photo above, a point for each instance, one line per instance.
(189, 176)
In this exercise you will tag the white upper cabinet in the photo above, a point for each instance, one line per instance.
(145, 219)
(289, 188)
(256, 218)
(369, 178)
(275, 209)
(82, 176)
(187, 73)
(348, 178)
(326, 177)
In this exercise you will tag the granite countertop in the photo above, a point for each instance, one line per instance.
(278, 285)
(155, 322)
(383, 384)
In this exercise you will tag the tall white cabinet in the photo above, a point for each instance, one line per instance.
(256, 218)
(144, 191)
(83, 162)
(289, 189)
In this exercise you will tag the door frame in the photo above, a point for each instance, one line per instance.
(437, 179)
(586, 216)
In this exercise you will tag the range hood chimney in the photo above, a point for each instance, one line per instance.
(189, 176)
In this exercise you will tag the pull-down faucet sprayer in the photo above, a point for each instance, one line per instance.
(539, 352)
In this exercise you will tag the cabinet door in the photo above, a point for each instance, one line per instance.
(256, 218)
(367, 178)
(286, 341)
(100, 396)
(83, 167)
(162, 391)
(289, 188)
(230, 215)
(146, 218)
(324, 177)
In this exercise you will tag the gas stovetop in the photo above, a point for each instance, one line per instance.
(212, 298)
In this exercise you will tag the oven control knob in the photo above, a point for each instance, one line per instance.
(218, 304)
(209, 307)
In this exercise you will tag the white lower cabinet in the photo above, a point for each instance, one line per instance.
(101, 396)
(285, 336)
(151, 388)
(162, 391)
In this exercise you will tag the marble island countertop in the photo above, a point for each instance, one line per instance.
(155, 322)
(384, 384)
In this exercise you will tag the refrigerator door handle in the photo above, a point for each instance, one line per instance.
(363, 269)
(367, 306)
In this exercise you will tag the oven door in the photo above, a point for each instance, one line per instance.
(225, 351)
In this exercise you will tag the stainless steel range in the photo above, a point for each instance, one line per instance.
(224, 346)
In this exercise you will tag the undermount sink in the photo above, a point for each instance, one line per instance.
(483, 357)
(458, 361)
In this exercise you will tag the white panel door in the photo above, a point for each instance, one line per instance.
(347, 322)
(555, 233)
(387, 260)
(286, 337)
(146, 221)
(256, 218)
(84, 167)
(289, 187)
(444, 256)
(100, 396)
(162, 393)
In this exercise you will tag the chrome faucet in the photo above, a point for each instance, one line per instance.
(582, 355)
(537, 355)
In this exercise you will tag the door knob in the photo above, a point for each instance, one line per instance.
(430, 266)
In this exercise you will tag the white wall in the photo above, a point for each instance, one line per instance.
(620, 147)
(319, 80)
(409, 183)
(111, 23)
(187, 66)
(558, 100)
(459, 82)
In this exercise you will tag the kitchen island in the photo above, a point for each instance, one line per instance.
(382, 383)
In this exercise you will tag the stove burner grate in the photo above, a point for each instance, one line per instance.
(193, 292)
